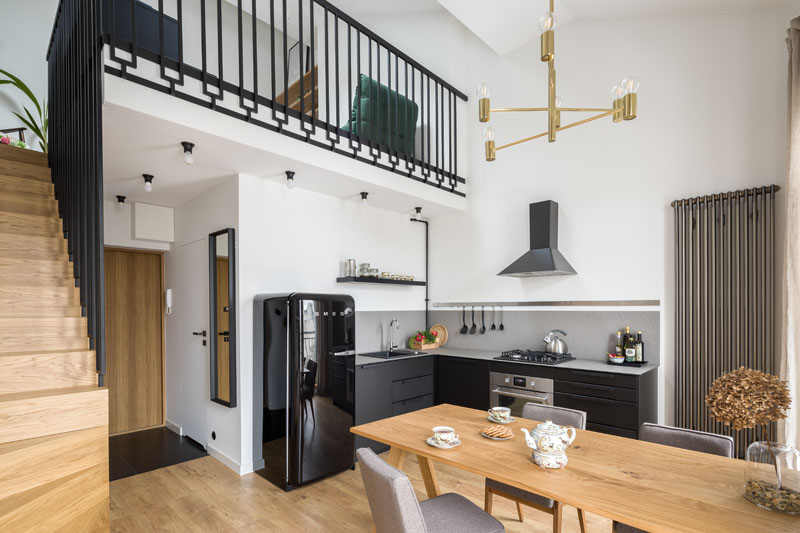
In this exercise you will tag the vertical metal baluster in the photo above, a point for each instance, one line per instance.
(300, 64)
(272, 95)
(180, 43)
(336, 54)
(285, 102)
(221, 71)
(389, 141)
(313, 68)
(255, 57)
(327, 82)
(240, 50)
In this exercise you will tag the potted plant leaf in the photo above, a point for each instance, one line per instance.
(424, 340)
(36, 122)
(746, 398)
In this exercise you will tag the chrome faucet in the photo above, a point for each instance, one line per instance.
(392, 325)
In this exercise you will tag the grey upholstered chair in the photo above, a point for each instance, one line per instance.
(395, 508)
(563, 417)
(688, 439)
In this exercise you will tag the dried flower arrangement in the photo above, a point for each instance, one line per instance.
(745, 398)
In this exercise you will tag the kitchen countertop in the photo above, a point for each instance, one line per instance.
(577, 364)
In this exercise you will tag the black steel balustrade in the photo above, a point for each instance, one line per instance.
(293, 67)
(75, 67)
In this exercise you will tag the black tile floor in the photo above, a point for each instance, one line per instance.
(142, 451)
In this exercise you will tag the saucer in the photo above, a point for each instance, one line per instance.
(508, 421)
(432, 442)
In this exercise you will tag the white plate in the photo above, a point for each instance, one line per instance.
(432, 442)
(496, 438)
(510, 419)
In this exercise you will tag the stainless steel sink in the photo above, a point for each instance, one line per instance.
(388, 354)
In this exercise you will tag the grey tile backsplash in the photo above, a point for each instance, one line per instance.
(590, 334)
(372, 328)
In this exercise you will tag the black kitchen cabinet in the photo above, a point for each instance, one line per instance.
(462, 381)
(389, 388)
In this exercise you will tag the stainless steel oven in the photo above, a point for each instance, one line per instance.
(515, 390)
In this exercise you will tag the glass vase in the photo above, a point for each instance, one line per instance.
(772, 477)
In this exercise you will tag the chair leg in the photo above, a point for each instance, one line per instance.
(582, 520)
(313, 416)
(519, 512)
(487, 500)
(557, 517)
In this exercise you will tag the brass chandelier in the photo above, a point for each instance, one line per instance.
(623, 107)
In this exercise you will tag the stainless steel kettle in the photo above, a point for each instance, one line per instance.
(554, 343)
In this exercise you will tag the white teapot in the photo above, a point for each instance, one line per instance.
(549, 442)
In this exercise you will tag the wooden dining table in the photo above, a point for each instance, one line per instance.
(645, 485)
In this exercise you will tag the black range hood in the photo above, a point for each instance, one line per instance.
(543, 259)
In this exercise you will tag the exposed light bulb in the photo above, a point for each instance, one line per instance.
(483, 90)
(630, 85)
(148, 182)
(364, 202)
(188, 158)
(617, 92)
(418, 216)
(488, 133)
(120, 202)
(548, 22)
(290, 179)
(558, 101)
(148, 187)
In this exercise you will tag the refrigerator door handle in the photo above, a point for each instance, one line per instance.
(344, 353)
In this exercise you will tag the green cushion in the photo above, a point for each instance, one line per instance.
(383, 116)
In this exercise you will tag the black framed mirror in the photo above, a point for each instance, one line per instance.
(222, 315)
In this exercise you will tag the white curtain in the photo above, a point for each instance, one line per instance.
(790, 360)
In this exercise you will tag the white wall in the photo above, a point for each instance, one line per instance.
(296, 241)
(712, 118)
(24, 35)
(211, 211)
(118, 230)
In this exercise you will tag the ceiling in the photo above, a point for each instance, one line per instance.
(128, 135)
(507, 25)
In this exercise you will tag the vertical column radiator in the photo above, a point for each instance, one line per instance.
(724, 295)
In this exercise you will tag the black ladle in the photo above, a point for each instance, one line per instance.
(501, 327)
(472, 329)
(483, 322)
(464, 328)
(493, 326)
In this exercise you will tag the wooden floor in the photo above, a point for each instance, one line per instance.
(205, 495)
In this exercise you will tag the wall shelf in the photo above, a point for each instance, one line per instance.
(378, 281)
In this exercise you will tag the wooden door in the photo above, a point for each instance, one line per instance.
(134, 339)
(223, 331)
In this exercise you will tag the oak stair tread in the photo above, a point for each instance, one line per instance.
(30, 225)
(25, 170)
(28, 371)
(42, 342)
(32, 414)
(13, 184)
(32, 157)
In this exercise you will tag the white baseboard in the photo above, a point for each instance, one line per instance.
(175, 428)
(240, 469)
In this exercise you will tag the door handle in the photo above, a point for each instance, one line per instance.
(199, 333)
(224, 333)
(521, 396)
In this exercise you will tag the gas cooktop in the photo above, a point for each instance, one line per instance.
(532, 356)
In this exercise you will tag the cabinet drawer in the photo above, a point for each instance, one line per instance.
(603, 378)
(610, 430)
(412, 387)
(413, 404)
(597, 390)
(601, 410)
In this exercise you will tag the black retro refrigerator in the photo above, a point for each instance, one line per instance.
(304, 385)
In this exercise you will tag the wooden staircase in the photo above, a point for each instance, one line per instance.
(53, 416)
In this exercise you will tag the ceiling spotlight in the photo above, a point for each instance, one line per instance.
(120, 202)
(188, 158)
(364, 199)
(418, 216)
(290, 179)
(148, 182)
